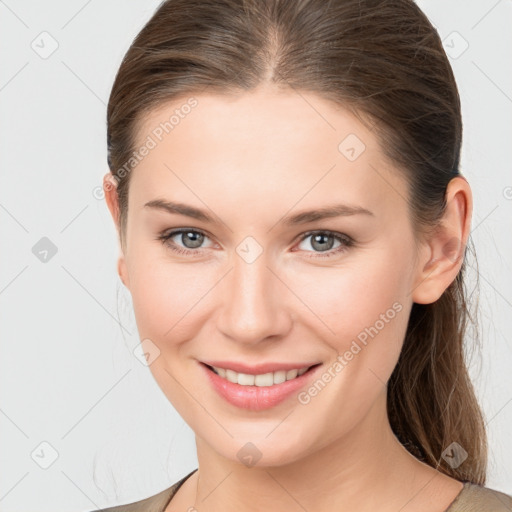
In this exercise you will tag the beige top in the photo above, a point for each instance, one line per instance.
(472, 498)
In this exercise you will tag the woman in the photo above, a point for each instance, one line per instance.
(293, 226)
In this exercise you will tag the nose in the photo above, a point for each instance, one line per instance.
(254, 303)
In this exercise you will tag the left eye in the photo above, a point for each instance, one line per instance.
(323, 242)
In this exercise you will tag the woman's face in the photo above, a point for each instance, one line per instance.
(258, 280)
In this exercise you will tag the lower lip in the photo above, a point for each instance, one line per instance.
(257, 398)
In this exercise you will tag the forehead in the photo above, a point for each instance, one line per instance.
(262, 145)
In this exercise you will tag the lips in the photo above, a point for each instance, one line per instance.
(257, 398)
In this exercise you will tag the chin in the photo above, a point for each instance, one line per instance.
(261, 450)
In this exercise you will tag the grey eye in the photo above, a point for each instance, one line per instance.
(320, 242)
(191, 239)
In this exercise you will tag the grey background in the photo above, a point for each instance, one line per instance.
(68, 378)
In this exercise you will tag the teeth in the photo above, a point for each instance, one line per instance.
(291, 374)
(266, 379)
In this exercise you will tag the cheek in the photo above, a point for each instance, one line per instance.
(366, 306)
(352, 294)
(366, 298)
(167, 297)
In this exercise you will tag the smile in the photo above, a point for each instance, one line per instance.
(262, 380)
(258, 392)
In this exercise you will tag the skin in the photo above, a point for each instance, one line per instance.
(249, 160)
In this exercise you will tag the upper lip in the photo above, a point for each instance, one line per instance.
(258, 369)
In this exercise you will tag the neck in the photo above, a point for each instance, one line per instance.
(363, 470)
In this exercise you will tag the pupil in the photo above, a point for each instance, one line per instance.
(319, 238)
(194, 238)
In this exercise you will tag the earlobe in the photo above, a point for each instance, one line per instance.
(123, 271)
(444, 251)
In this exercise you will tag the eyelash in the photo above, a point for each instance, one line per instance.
(345, 240)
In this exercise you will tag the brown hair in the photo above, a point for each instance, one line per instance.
(384, 61)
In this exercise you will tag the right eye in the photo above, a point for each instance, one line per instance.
(190, 238)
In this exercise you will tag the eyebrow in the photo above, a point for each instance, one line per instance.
(304, 217)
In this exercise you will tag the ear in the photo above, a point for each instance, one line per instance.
(112, 199)
(442, 254)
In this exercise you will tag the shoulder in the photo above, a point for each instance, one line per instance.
(155, 503)
(477, 498)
